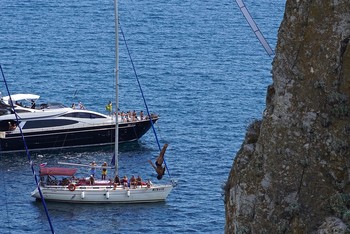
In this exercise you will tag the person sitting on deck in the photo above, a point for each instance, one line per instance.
(149, 183)
(124, 182)
(139, 180)
(12, 126)
(116, 181)
(122, 114)
(64, 181)
(159, 163)
(92, 180)
(81, 106)
(133, 181)
(141, 115)
(133, 116)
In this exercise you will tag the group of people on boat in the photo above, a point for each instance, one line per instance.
(32, 104)
(125, 182)
(80, 106)
(104, 167)
(131, 116)
(133, 182)
(158, 167)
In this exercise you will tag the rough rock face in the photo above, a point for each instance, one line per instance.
(292, 173)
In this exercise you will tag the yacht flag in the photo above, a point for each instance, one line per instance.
(113, 160)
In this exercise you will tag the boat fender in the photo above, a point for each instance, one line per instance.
(71, 187)
(82, 195)
(128, 193)
(107, 194)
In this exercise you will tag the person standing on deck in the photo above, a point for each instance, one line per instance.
(32, 104)
(104, 171)
(109, 108)
(93, 168)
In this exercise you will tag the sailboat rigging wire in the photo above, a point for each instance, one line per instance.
(254, 27)
(143, 97)
(75, 93)
(27, 151)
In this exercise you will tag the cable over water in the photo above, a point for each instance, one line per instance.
(27, 151)
(143, 97)
(254, 27)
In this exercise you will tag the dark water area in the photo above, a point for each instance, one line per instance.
(201, 69)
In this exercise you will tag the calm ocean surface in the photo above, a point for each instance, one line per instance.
(201, 69)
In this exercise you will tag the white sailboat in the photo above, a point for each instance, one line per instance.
(72, 190)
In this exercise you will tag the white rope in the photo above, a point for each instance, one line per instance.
(254, 27)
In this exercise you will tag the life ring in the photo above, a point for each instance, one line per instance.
(71, 187)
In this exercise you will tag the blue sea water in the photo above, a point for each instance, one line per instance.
(201, 69)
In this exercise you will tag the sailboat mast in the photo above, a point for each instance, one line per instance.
(116, 150)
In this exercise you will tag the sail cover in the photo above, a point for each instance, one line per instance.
(57, 171)
(254, 27)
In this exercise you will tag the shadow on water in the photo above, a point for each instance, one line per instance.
(123, 147)
(74, 210)
(115, 217)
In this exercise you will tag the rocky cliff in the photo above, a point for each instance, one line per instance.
(292, 173)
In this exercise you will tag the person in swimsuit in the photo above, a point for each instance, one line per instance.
(139, 180)
(109, 108)
(133, 181)
(116, 181)
(159, 163)
(104, 170)
(125, 182)
(93, 168)
(12, 126)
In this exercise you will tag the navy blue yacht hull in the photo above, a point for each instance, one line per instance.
(75, 137)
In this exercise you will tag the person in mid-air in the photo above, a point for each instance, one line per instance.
(158, 167)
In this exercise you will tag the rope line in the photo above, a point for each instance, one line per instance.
(143, 96)
(254, 27)
(27, 151)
